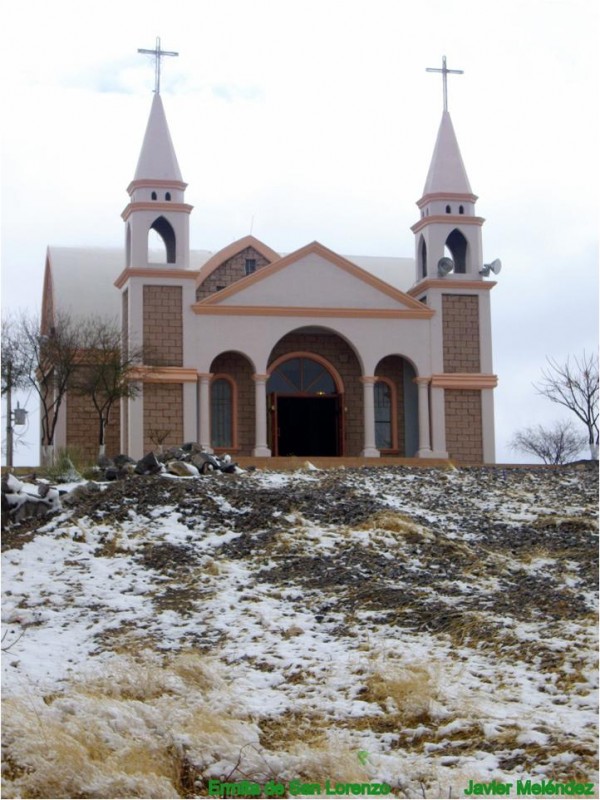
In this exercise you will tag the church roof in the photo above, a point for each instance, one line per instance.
(82, 278)
(447, 172)
(157, 159)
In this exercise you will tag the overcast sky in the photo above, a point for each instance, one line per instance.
(316, 120)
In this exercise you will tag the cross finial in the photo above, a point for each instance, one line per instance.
(157, 53)
(445, 72)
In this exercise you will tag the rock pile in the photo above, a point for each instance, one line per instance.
(18, 504)
(189, 460)
(185, 461)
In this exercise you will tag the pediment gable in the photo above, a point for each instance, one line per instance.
(314, 277)
(235, 248)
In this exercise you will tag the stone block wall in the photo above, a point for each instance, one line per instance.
(163, 326)
(230, 271)
(464, 429)
(239, 368)
(460, 321)
(163, 414)
(83, 428)
(340, 355)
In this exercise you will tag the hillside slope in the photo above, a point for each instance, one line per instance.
(421, 628)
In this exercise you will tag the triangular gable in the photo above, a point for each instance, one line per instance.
(314, 277)
(232, 250)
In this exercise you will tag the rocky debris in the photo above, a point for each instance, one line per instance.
(182, 468)
(185, 461)
(206, 462)
(19, 505)
(80, 493)
(149, 465)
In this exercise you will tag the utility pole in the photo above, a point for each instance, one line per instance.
(9, 427)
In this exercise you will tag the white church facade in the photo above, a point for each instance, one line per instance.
(311, 353)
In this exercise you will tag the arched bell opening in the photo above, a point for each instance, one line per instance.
(163, 240)
(422, 258)
(457, 248)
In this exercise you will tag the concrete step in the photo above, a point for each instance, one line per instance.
(291, 463)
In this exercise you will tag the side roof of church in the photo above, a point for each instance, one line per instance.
(80, 280)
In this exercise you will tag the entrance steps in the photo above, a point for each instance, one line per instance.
(292, 463)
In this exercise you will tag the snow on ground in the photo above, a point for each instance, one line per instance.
(421, 628)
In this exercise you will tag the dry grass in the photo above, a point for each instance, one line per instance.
(568, 524)
(408, 694)
(143, 730)
(394, 522)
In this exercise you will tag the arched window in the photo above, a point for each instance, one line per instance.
(153, 195)
(461, 209)
(221, 413)
(301, 376)
(384, 435)
(448, 210)
(168, 196)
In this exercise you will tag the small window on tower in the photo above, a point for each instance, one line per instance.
(154, 195)
(448, 210)
(250, 266)
(168, 196)
(461, 209)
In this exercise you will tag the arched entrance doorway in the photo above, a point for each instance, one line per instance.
(305, 402)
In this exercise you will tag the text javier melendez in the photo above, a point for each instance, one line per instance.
(529, 787)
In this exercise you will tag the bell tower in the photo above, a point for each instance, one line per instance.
(157, 199)
(157, 292)
(450, 279)
(449, 228)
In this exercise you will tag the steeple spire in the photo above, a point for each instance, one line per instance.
(157, 197)
(157, 159)
(447, 172)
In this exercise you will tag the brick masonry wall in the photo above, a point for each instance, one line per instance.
(83, 428)
(163, 413)
(230, 271)
(464, 435)
(340, 355)
(392, 367)
(240, 369)
(460, 320)
(163, 326)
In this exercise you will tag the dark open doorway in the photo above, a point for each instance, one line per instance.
(307, 426)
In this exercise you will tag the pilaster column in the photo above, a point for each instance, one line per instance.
(261, 447)
(204, 410)
(369, 449)
(424, 450)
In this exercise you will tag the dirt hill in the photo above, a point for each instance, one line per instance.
(415, 627)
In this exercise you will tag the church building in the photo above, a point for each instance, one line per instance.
(311, 353)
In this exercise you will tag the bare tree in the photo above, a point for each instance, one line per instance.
(14, 376)
(14, 366)
(555, 445)
(48, 361)
(575, 386)
(105, 373)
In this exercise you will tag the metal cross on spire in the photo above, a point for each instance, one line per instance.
(445, 72)
(157, 53)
